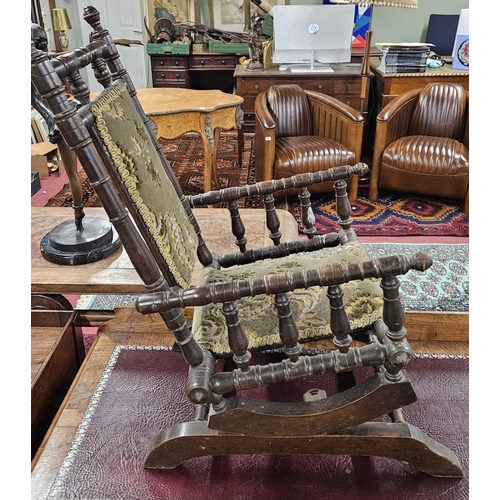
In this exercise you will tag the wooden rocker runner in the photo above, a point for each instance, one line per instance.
(272, 298)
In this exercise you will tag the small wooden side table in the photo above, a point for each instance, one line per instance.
(177, 111)
(115, 274)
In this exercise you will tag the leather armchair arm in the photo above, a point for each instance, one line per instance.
(265, 139)
(466, 132)
(392, 123)
(336, 120)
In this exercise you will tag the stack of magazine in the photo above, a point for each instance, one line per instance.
(404, 57)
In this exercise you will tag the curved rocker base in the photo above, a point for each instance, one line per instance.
(64, 245)
(399, 441)
(366, 401)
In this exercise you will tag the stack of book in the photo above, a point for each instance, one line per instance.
(404, 57)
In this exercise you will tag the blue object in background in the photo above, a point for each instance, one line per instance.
(362, 18)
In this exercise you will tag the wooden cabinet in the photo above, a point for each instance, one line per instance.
(170, 71)
(199, 70)
(344, 84)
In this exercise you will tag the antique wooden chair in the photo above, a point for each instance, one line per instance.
(276, 297)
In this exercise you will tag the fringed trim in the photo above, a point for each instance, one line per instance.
(97, 109)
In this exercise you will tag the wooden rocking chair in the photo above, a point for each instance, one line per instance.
(273, 298)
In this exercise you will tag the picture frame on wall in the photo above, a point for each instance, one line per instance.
(175, 10)
(229, 15)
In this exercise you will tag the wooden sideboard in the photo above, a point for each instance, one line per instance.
(387, 86)
(198, 70)
(344, 84)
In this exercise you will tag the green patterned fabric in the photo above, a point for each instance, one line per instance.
(136, 160)
(363, 302)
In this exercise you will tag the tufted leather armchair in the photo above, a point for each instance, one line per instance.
(299, 131)
(422, 144)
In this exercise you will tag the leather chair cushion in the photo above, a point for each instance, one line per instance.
(435, 166)
(303, 154)
(363, 302)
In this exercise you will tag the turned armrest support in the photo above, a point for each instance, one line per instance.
(281, 282)
(275, 185)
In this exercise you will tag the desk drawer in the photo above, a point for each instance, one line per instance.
(170, 78)
(169, 62)
(324, 86)
(348, 86)
(213, 62)
(253, 86)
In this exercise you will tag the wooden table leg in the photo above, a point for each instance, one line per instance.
(241, 145)
(214, 158)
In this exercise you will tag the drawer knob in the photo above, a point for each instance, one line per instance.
(163, 75)
(202, 62)
(162, 63)
(348, 103)
(349, 85)
(177, 75)
(256, 87)
(320, 86)
(223, 63)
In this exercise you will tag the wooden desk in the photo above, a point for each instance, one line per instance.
(177, 111)
(115, 274)
(344, 84)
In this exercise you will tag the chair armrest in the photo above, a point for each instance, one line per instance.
(336, 120)
(466, 132)
(391, 124)
(265, 139)
(280, 282)
(275, 185)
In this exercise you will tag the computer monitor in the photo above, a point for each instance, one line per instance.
(308, 38)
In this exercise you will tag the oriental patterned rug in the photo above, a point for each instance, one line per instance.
(391, 215)
(187, 161)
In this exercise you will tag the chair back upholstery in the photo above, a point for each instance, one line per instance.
(128, 144)
(440, 111)
(290, 109)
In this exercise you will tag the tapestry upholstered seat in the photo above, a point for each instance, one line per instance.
(279, 297)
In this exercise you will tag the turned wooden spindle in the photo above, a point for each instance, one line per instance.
(272, 219)
(237, 226)
(237, 338)
(306, 213)
(392, 330)
(339, 322)
(289, 333)
(343, 205)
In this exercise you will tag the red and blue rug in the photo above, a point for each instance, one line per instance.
(395, 214)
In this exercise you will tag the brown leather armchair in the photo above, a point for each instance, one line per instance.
(299, 131)
(422, 144)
